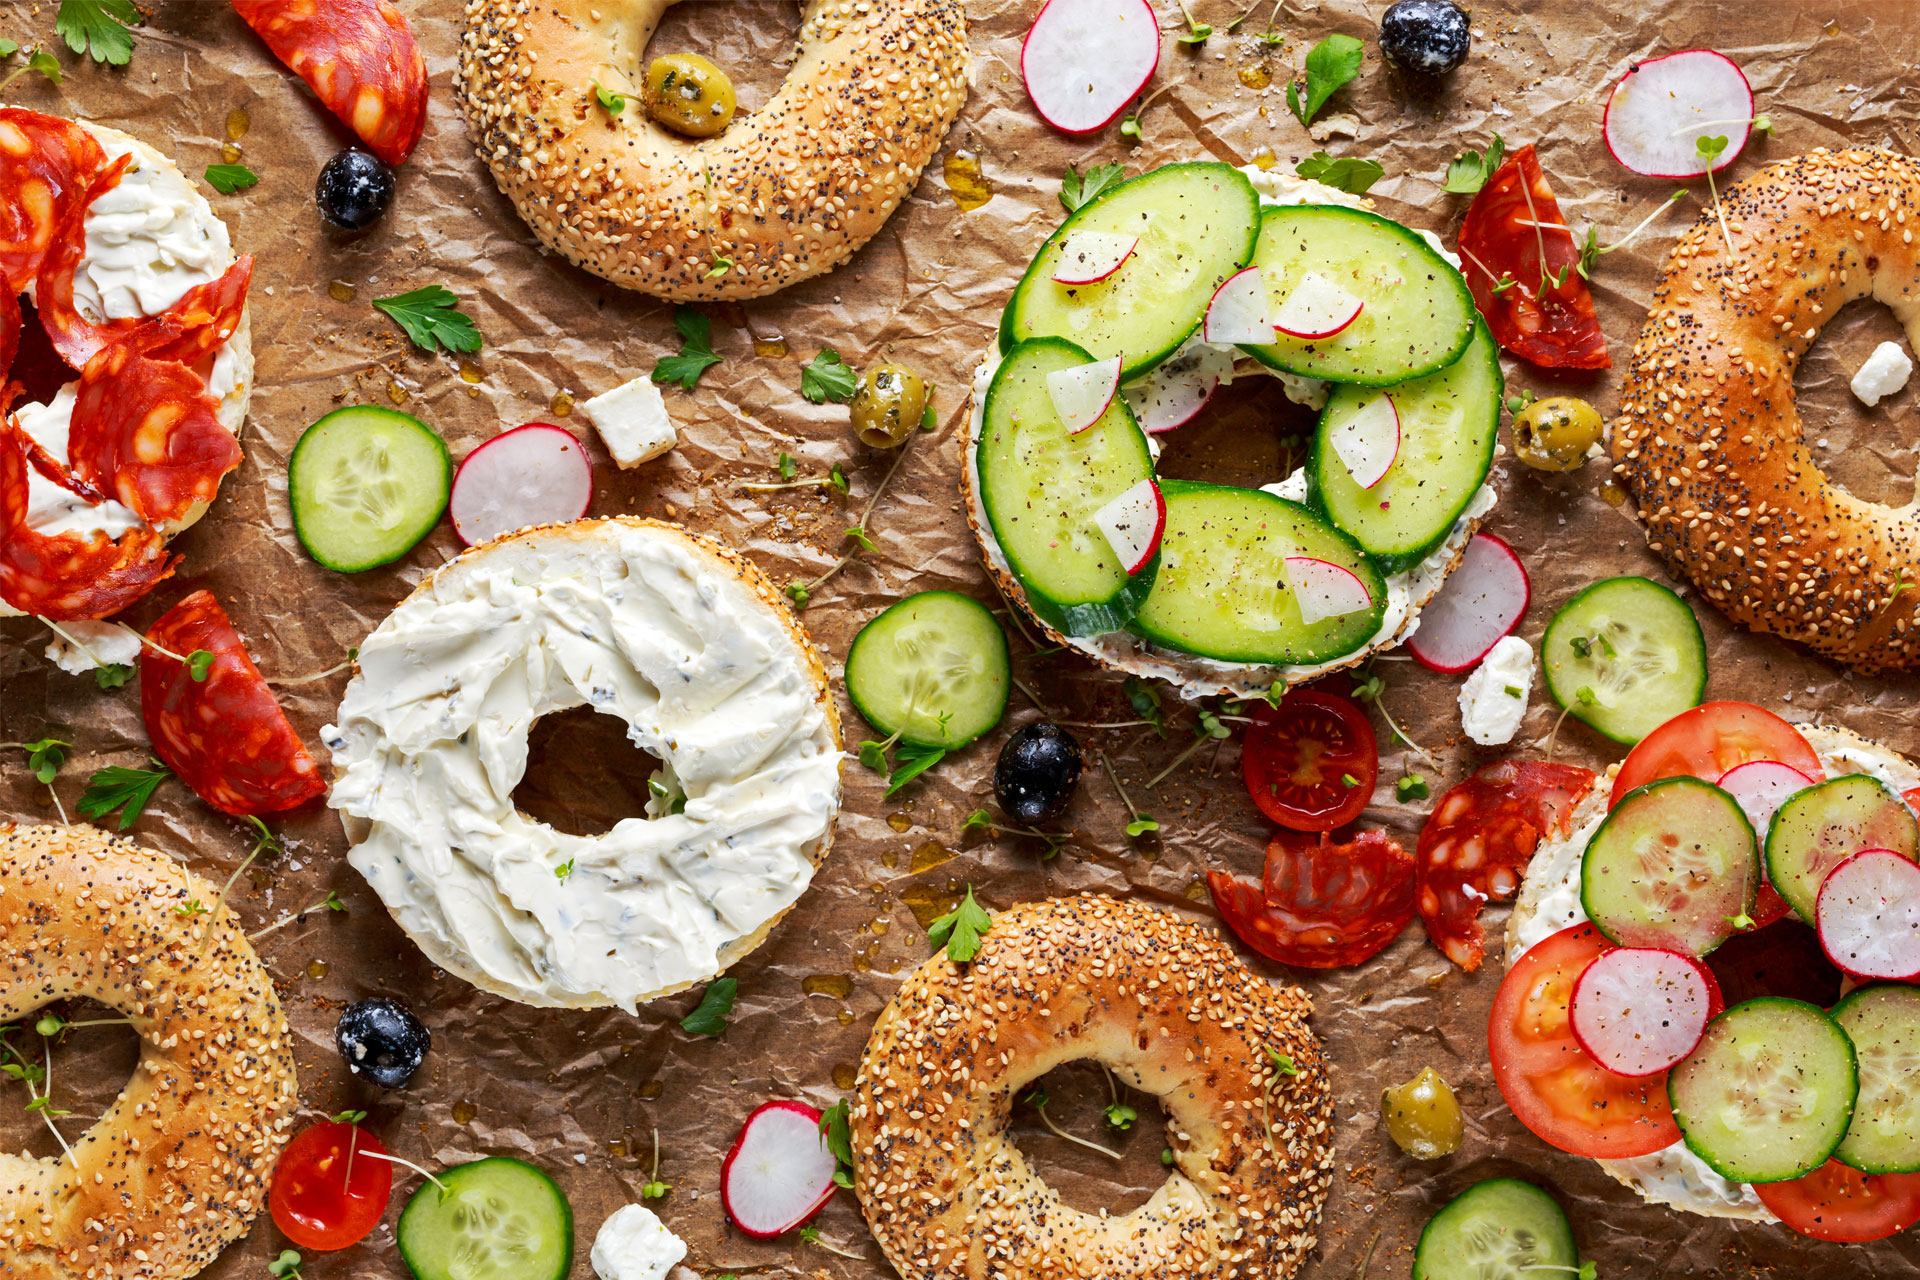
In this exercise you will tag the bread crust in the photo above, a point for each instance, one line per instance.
(1709, 442)
(783, 194)
(1166, 1005)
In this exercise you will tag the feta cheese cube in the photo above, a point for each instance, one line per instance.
(634, 1244)
(1493, 701)
(632, 419)
(1884, 373)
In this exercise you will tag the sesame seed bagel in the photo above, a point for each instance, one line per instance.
(1709, 441)
(179, 1165)
(1165, 1005)
(783, 194)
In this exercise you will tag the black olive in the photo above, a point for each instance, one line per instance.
(1426, 37)
(382, 1041)
(354, 190)
(1035, 775)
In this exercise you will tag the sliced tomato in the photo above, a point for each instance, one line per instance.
(1553, 1086)
(1519, 260)
(1321, 905)
(1708, 740)
(1311, 762)
(1837, 1203)
(327, 1191)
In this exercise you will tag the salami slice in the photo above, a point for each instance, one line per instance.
(1321, 905)
(46, 166)
(225, 735)
(76, 338)
(204, 317)
(1478, 840)
(360, 58)
(146, 433)
(10, 327)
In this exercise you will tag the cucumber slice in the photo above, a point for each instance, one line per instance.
(933, 669)
(498, 1219)
(1822, 826)
(1223, 592)
(1625, 656)
(1769, 1093)
(1448, 423)
(366, 484)
(1500, 1229)
(1884, 1024)
(1041, 486)
(1418, 316)
(1196, 222)
(1673, 866)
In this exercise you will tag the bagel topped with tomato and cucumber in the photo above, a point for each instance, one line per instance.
(1151, 295)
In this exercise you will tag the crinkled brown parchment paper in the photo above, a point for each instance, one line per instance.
(581, 1093)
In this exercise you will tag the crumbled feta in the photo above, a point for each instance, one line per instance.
(1493, 701)
(632, 419)
(101, 644)
(1884, 373)
(633, 1244)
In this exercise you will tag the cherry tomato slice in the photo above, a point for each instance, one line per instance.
(1837, 1203)
(1320, 905)
(1710, 739)
(1310, 763)
(1551, 1084)
(327, 1192)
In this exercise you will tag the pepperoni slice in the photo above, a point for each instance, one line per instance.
(1321, 905)
(146, 433)
(10, 328)
(225, 735)
(77, 339)
(204, 317)
(1478, 840)
(46, 166)
(66, 576)
(359, 56)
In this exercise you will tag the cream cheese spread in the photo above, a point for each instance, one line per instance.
(633, 1244)
(1493, 701)
(638, 621)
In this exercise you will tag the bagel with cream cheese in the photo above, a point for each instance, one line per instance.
(785, 193)
(1709, 441)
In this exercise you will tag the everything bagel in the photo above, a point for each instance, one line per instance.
(784, 194)
(1709, 441)
(1166, 1006)
(179, 1165)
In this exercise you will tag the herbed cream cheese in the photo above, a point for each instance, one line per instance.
(633, 1244)
(635, 620)
(1493, 700)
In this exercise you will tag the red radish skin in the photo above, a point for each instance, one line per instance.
(1316, 309)
(1175, 392)
(1133, 524)
(779, 1173)
(1082, 394)
(1089, 257)
(536, 474)
(1084, 61)
(1761, 787)
(1323, 589)
(1869, 915)
(1480, 603)
(1368, 442)
(1240, 311)
(1638, 1011)
(1660, 106)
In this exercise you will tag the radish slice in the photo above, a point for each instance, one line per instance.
(536, 474)
(1323, 589)
(1369, 441)
(1087, 256)
(1081, 394)
(1178, 388)
(1481, 602)
(779, 1173)
(1761, 787)
(1240, 311)
(1084, 60)
(1662, 107)
(1869, 915)
(1133, 523)
(1317, 308)
(1638, 1011)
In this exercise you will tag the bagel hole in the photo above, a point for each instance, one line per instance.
(90, 1066)
(751, 40)
(584, 775)
(1078, 1094)
(1870, 453)
(1249, 435)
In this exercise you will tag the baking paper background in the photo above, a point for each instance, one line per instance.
(581, 1093)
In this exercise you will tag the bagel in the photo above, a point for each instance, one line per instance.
(179, 1165)
(1167, 1007)
(1709, 442)
(783, 194)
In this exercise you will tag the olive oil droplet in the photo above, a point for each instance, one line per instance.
(1255, 75)
(837, 985)
(230, 153)
(844, 1075)
(890, 859)
(769, 348)
(464, 1111)
(1832, 28)
(900, 821)
(930, 854)
(1197, 891)
(651, 1089)
(966, 181)
(316, 968)
(471, 373)
(396, 392)
(238, 122)
(1612, 494)
(928, 902)
(1264, 158)
(340, 291)
(561, 404)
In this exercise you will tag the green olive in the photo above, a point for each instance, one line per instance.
(888, 406)
(689, 95)
(1422, 1117)
(1555, 434)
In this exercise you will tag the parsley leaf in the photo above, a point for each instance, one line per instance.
(710, 1018)
(1470, 169)
(432, 318)
(1330, 64)
(45, 758)
(961, 929)
(229, 178)
(113, 675)
(98, 28)
(828, 377)
(837, 1134)
(1077, 188)
(117, 787)
(696, 350)
(610, 102)
(1348, 173)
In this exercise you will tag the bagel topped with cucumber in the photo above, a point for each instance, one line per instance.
(1136, 309)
